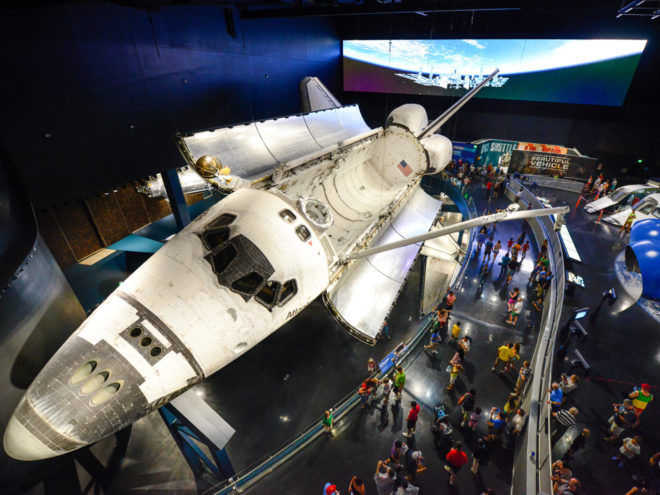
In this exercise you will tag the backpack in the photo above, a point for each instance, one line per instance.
(468, 402)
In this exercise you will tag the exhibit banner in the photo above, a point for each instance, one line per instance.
(543, 148)
(464, 151)
(538, 163)
(495, 152)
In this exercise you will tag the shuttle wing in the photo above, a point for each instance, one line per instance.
(363, 295)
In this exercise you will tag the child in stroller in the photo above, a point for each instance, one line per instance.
(441, 427)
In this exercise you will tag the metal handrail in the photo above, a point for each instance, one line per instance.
(538, 468)
(269, 463)
(555, 183)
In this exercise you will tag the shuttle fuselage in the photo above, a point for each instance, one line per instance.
(224, 283)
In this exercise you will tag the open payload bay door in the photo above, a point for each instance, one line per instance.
(240, 154)
(443, 258)
(363, 295)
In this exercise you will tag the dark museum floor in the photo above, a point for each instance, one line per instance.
(284, 384)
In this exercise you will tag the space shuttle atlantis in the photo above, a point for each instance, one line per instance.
(307, 192)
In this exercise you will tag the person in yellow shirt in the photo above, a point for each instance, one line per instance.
(455, 332)
(504, 354)
(515, 354)
(511, 405)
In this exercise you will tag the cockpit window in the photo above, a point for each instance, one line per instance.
(289, 289)
(248, 284)
(239, 265)
(213, 238)
(268, 293)
(217, 232)
(222, 258)
(303, 233)
(647, 209)
(222, 221)
(288, 216)
(619, 195)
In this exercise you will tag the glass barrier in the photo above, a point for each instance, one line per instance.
(552, 183)
(532, 463)
(266, 464)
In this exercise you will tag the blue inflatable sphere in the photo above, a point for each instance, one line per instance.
(645, 230)
(643, 256)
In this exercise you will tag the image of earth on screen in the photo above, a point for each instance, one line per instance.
(594, 72)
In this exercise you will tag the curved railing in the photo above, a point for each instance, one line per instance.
(532, 462)
(554, 183)
(264, 466)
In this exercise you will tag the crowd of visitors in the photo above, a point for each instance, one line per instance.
(400, 472)
(600, 186)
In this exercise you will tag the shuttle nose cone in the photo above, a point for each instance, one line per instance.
(21, 444)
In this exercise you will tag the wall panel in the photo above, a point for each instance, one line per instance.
(132, 206)
(77, 227)
(107, 218)
(94, 93)
(54, 237)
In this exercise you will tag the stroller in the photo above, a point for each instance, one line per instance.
(442, 428)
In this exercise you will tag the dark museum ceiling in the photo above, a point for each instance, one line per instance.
(84, 76)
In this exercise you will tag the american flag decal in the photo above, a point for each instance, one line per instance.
(404, 168)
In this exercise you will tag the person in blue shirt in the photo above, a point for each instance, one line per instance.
(540, 278)
(435, 338)
(556, 396)
(535, 272)
(481, 237)
(495, 422)
(504, 263)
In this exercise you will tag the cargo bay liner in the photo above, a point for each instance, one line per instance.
(246, 266)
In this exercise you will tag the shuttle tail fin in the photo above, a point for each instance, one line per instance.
(315, 96)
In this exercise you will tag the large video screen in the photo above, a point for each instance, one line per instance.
(595, 72)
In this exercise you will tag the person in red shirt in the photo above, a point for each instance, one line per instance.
(412, 419)
(455, 458)
(525, 248)
(450, 299)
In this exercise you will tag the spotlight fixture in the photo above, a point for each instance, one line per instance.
(640, 8)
